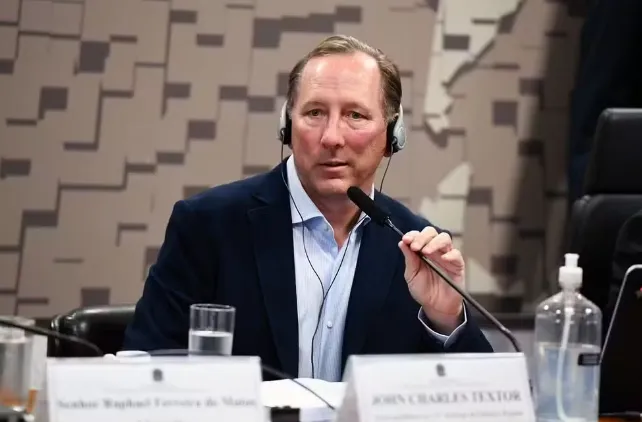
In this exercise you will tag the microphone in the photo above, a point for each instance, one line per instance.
(99, 353)
(51, 334)
(379, 216)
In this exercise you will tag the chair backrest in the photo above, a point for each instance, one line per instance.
(102, 325)
(615, 164)
(594, 225)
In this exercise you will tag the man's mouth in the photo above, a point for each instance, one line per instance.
(334, 163)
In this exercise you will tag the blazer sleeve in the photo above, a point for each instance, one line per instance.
(628, 252)
(468, 338)
(183, 274)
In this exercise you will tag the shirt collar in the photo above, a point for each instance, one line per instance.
(305, 209)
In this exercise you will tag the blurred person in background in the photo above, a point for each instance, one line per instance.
(609, 75)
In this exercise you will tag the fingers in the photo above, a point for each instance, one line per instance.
(428, 241)
(417, 240)
(440, 243)
(452, 255)
(452, 261)
(413, 262)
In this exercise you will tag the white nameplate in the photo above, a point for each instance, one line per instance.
(488, 387)
(158, 389)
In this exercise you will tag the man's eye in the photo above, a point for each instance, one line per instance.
(314, 113)
(355, 115)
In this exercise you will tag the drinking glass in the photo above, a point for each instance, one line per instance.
(15, 364)
(211, 329)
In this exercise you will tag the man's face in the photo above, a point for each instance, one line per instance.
(338, 124)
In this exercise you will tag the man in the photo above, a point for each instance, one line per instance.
(313, 281)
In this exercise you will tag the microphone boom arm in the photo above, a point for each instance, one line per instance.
(51, 334)
(468, 298)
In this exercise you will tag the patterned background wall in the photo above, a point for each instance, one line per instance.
(111, 110)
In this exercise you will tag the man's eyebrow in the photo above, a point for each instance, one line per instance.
(357, 104)
(348, 104)
(312, 103)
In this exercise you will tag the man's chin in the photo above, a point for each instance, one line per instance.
(334, 187)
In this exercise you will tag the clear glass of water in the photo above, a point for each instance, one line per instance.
(211, 329)
(15, 364)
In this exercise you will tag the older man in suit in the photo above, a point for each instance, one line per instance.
(312, 279)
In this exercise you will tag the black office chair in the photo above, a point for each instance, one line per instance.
(102, 325)
(612, 194)
(593, 228)
(615, 164)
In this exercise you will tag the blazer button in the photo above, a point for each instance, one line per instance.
(329, 324)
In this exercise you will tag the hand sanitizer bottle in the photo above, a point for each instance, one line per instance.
(568, 338)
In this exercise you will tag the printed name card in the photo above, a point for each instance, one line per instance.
(491, 387)
(163, 389)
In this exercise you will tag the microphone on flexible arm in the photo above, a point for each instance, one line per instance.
(168, 352)
(52, 334)
(379, 216)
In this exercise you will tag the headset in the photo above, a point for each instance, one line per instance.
(395, 132)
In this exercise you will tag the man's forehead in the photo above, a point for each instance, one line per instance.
(352, 65)
(352, 75)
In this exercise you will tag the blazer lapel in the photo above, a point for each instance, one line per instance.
(379, 257)
(272, 237)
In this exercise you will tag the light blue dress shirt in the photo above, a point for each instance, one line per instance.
(335, 267)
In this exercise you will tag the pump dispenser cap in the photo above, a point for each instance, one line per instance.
(570, 275)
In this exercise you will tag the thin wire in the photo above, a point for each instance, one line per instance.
(325, 293)
(278, 373)
(270, 370)
(385, 171)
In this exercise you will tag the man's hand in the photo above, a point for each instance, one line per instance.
(440, 302)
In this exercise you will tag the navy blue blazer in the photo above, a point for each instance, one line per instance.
(232, 244)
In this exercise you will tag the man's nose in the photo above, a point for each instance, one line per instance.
(332, 136)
